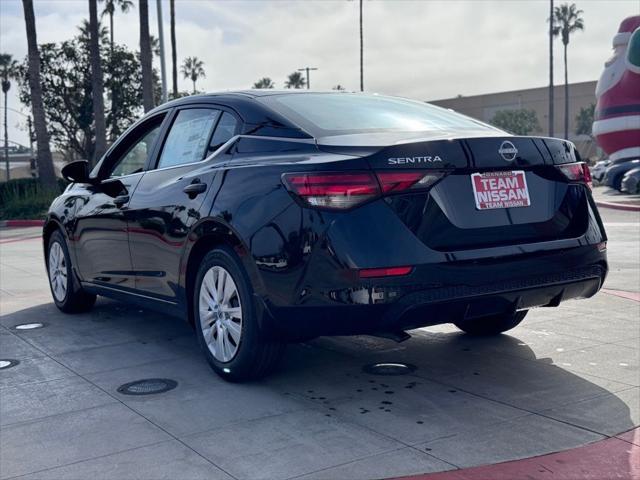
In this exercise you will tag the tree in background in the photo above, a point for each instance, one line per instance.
(522, 121)
(174, 53)
(97, 84)
(584, 120)
(110, 7)
(67, 91)
(567, 20)
(264, 82)
(295, 80)
(44, 160)
(8, 71)
(193, 69)
(146, 56)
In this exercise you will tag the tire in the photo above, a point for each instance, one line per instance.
(492, 325)
(226, 320)
(66, 291)
(617, 182)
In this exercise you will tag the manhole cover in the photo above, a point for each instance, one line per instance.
(8, 363)
(148, 386)
(28, 326)
(389, 368)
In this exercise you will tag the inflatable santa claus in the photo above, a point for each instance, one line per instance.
(617, 116)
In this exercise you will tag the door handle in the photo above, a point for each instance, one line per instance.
(195, 189)
(120, 200)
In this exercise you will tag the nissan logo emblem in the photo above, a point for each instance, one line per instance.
(508, 151)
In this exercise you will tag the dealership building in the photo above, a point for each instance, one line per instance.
(484, 107)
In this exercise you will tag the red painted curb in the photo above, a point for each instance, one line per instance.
(21, 223)
(623, 294)
(619, 206)
(613, 458)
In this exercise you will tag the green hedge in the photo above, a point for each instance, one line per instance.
(24, 198)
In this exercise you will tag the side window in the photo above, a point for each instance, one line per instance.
(225, 129)
(187, 139)
(136, 156)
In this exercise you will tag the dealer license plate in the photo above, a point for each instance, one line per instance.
(505, 189)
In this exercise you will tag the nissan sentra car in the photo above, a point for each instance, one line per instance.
(267, 217)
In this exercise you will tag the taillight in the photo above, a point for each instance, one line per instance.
(577, 172)
(385, 272)
(343, 190)
(333, 190)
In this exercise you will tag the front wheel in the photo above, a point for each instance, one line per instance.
(492, 325)
(67, 293)
(226, 320)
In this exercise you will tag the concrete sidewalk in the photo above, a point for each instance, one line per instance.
(566, 378)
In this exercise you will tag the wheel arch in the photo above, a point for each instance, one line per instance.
(51, 225)
(205, 236)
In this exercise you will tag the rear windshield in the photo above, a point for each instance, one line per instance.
(327, 114)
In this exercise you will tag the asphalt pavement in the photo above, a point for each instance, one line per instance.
(565, 378)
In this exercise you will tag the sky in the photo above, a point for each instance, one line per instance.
(422, 49)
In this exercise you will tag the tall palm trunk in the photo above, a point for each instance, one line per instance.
(566, 95)
(361, 52)
(43, 156)
(97, 85)
(111, 30)
(6, 137)
(174, 53)
(145, 56)
(194, 85)
(551, 88)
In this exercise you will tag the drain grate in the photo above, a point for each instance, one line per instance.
(28, 326)
(389, 368)
(8, 363)
(148, 386)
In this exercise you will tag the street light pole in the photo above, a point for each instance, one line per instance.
(307, 70)
(361, 51)
(163, 67)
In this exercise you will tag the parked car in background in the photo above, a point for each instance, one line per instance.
(614, 173)
(597, 171)
(631, 181)
(263, 217)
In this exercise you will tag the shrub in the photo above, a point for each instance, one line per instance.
(25, 198)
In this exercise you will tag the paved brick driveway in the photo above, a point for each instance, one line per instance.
(565, 378)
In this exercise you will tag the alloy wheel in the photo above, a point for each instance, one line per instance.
(220, 312)
(58, 271)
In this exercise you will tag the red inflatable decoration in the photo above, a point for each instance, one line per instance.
(617, 116)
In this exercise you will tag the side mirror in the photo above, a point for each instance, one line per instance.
(76, 172)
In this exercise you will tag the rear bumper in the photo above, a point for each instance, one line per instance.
(442, 293)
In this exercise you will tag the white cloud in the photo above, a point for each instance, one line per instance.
(421, 49)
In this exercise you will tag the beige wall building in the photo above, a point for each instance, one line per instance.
(484, 107)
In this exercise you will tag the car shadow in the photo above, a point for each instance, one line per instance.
(462, 386)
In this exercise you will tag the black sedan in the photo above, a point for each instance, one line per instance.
(266, 217)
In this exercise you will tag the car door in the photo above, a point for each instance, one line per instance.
(167, 201)
(100, 236)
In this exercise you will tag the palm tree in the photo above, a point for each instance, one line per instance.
(110, 8)
(193, 68)
(43, 156)
(9, 71)
(145, 56)
(174, 54)
(264, 82)
(567, 19)
(97, 84)
(295, 80)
